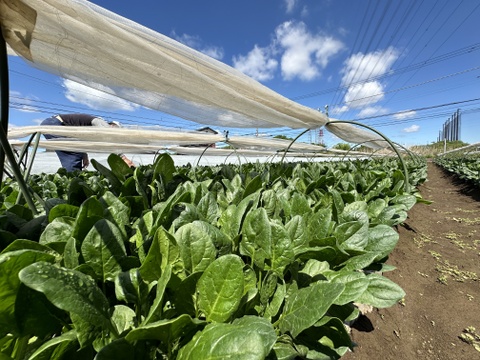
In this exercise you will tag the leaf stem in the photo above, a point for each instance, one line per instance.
(20, 349)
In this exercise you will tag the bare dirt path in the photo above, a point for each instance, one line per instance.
(438, 266)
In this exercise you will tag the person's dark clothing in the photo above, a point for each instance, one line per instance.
(77, 119)
(71, 161)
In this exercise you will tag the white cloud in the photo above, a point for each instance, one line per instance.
(405, 115)
(258, 64)
(290, 5)
(196, 43)
(413, 128)
(372, 111)
(213, 51)
(95, 99)
(23, 103)
(360, 67)
(336, 110)
(361, 95)
(304, 54)
(304, 13)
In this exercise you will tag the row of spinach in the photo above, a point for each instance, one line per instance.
(258, 261)
(466, 167)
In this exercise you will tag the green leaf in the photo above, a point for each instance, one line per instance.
(123, 318)
(275, 304)
(55, 348)
(330, 332)
(116, 211)
(234, 189)
(144, 228)
(382, 239)
(196, 247)
(184, 294)
(69, 290)
(87, 332)
(188, 213)
(156, 309)
(282, 253)
(222, 242)
(269, 285)
(119, 349)
(62, 210)
(355, 285)
(119, 168)
(35, 315)
(261, 326)
(6, 238)
(167, 330)
(228, 341)
(151, 268)
(89, 213)
(338, 204)
(253, 186)
(284, 351)
(170, 252)
(318, 226)
(103, 249)
(112, 178)
(407, 200)
(296, 229)
(70, 254)
(360, 262)
(32, 229)
(22, 244)
(220, 288)
(208, 208)
(269, 201)
(60, 230)
(306, 306)
(353, 233)
(381, 292)
(257, 237)
(11, 264)
(376, 207)
(231, 219)
(300, 205)
(130, 287)
(164, 167)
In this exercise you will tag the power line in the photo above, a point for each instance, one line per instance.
(462, 51)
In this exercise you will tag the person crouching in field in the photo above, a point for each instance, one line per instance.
(70, 160)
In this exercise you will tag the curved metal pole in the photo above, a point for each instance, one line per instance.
(5, 148)
(290, 145)
(203, 152)
(23, 155)
(4, 99)
(405, 170)
(234, 152)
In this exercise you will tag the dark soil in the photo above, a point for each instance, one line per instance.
(438, 266)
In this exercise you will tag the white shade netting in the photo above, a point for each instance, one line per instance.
(83, 42)
(116, 140)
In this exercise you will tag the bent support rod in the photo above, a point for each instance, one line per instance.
(5, 148)
(405, 170)
(290, 145)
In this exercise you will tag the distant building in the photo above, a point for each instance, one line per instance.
(206, 130)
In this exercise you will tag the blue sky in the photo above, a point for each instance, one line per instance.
(403, 67)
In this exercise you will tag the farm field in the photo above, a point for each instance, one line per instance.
(124, 261)
(437, 260)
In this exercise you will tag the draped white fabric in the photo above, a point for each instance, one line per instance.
(115, 140)
(83, 42)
